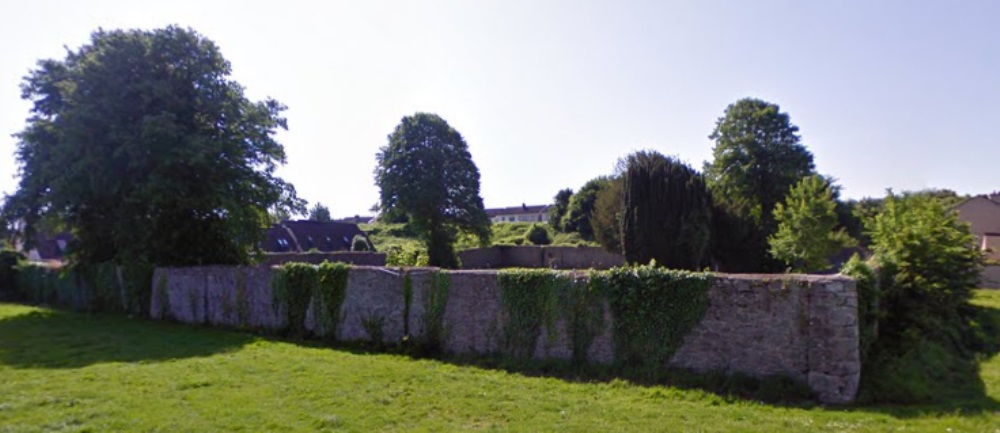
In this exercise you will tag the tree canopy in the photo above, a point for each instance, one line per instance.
(666, 212)
(581, 208)
(558, 209)
(426, 172)
(758, 156)
(142, 145)
(319, 212)
(806, 236)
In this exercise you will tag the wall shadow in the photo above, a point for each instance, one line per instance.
(60, 339)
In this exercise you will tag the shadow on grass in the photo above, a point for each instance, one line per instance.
(59, 339)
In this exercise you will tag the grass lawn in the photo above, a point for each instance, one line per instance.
(63, 371)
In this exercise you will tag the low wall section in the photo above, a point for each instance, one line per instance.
(801, 326)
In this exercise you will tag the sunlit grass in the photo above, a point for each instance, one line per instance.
(64, 371)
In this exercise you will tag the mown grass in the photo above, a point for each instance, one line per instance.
(385, 236)
(62, 371)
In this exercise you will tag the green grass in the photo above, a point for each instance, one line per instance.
(62, 371)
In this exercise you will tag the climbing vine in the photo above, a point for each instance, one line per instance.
(529, 299)
(435, 301)
(331, 290)
(653, 309)
(294, 284)
(407, 302)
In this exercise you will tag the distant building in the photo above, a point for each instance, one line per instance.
(47, 247)
(303, 236)
(522, 213)
(983, 215)
(357, 219)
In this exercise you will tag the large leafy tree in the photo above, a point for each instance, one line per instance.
(143, 146)
(758, 157)
(319, 212)
(427, 173)
(807, 233)
(581, 207)
(606, 220)
(666, 212)
(559, 206)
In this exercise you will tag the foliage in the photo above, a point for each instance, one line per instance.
(293, 288)
(533, 299)
(142, 144)
(758, 157)
(426, 172)
(528, 297)
(806, 238)
(558, 209)
(666, 212)
(435, 301)
(50, 360)
(538, 235)
(868, 308)
(581, 208)
(927, 268)
(606, 220)
(331, 290)
(10, 260)
(374, 325)
(359, 243)
(319, 212)
(654, 309)
(406, 256)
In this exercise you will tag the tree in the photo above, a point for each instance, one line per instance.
(581, 208)
(666, 212)
(558, 209)
(427, 173)
(758, 157)
(538, 235)
(319, 212)
(141, 145)
(606, 220)
(806, 236)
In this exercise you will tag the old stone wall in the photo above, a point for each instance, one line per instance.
(801, 326)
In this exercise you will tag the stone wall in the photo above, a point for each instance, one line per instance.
(801, 326)
(506, 256)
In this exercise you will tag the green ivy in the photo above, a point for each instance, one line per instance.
(407, 302)
(653, 308)
(529, 299)
(163, 288)
(868, 294)
(435, 301)
(242, 300)
(580, 306)
(294, 284)
(331, 290)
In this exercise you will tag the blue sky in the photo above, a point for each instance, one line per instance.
(548, 94)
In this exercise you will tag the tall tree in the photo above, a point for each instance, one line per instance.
(606, 220)
(146, 149)
(427, 173)
(558, 209)
(319, 212)
(666, 212)
(581, 208)
(807, 236)
(758, 157)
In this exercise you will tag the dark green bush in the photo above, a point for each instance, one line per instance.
(9, 262)
(868, 294)
(406, 256)
(294, 285)
(538, 235)
(359, 243)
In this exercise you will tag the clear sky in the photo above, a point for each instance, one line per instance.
(548, 94)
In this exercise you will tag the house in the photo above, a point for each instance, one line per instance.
(522, 213)
(305, 235)
(983, 215)
(47, 247)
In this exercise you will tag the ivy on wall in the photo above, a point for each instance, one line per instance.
(654, 309)
(294, 284)
(434, 300)
(528, 297)
(331, 290)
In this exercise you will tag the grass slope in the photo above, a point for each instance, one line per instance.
(385, 236)
(63, 371)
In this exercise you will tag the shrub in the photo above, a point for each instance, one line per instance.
(9, 262)
(538, 235)
(406, 256)
(294, 285)
(805, 238)
(359, 243)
